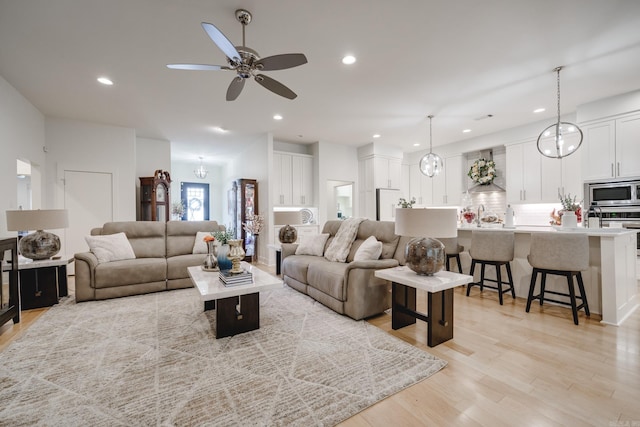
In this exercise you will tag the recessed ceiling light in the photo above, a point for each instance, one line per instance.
(219, 129)
(349, 59)
(539, 110)
(376, 135)
(105, 81)
(417, 144)
(466, 131)
(277, 117)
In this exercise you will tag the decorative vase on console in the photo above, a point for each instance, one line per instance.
(224, 263)
(210, 262)
(236, 254)
(569, 219)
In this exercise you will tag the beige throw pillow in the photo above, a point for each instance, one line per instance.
(110, 247)
(312, 245)
(370, 249)
(199, 245)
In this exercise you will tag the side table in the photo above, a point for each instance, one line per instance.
(278, 250)
(42, 282)
(439, 316)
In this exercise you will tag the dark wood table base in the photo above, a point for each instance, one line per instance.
(235, 315)
(439, 315)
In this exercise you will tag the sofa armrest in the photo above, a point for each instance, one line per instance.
(288, 249)
(377, 264)
(85, 267)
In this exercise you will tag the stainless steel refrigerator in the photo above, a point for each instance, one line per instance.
(386, 203)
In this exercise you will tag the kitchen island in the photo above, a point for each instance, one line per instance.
(611, 282)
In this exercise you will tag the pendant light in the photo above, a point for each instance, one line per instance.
(200, 172)
(430, 164)
(561, 139)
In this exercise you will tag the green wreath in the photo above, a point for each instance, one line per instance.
(482, 171)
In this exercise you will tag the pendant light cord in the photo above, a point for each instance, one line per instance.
(430, 135)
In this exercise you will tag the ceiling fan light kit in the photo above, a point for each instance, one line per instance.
(551, 141)
(431, 163)
(246, 62)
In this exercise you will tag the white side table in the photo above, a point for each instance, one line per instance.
(439, 316)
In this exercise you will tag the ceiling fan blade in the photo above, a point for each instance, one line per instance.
(197, 67)
(221, 41)
(281, 62)
(235, 88)
(275, 86)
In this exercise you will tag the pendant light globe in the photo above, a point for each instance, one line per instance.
(431, 164)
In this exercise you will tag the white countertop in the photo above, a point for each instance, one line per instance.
(556, 229)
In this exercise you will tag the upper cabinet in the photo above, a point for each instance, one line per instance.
(612, 149)
(292, 179)
(387, 172)
(523, 173)
(447, 187)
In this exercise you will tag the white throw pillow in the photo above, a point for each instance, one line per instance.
(370, 249)
(312, 245)
(110, 247)
(199, 245)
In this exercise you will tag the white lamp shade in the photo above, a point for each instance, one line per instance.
(42, 219)
(287, 217)
(428, 222)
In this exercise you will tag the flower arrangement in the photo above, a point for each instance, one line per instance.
(177, 208)
(404, 204)
(223, 236)
(209, 238)
(254, 224)
(569, 203)
(482, 171)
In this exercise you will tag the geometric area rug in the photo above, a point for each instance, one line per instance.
(153, 360)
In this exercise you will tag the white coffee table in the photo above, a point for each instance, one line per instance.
(439, 316)
(237, 307)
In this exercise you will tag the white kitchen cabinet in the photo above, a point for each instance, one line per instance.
(420, 186)
(447, 187)
(293, 179)
(561, 176)
(523, 173)
(611, 149)
(387, 172)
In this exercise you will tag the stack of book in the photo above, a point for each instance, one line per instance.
(236, 279)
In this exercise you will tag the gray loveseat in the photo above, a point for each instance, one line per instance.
(350, 287)
(163, 252)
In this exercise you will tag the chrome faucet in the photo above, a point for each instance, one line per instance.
(478, 217)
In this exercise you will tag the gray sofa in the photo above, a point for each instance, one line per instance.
(350, 287)
(163, 252)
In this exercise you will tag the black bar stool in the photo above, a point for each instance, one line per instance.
(452, 250)
(562, 254)
(493, 248)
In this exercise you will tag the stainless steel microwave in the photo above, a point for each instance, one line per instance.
(621, 193)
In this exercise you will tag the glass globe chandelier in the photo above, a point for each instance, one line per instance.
(430, 164)
(561, 139)
(200, 172)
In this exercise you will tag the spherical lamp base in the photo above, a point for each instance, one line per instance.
(39, 245)
(425, 255)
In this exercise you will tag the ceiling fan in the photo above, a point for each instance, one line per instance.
(246, 62)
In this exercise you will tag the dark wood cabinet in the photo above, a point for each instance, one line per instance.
(155, 201)
(247, 206)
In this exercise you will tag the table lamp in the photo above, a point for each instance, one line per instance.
(425, 255)
(287, 234)
(40, 244)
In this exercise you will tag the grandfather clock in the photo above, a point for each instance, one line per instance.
(155, 202)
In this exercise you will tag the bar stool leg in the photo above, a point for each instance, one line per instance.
(459, 263)
(572, 297)
(532, 287)
(473, 267)
(513, 290)
(482, 265)
(583, 294)
(446, 263)
(499, 279)
(542, 286)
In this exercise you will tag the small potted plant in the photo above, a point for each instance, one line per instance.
(571, 212)
(403, 203)
(177, 210)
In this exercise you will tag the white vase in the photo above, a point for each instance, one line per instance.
(569, 219)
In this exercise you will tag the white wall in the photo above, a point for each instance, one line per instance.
(22, 136)
(151, 155)
(608, 107)
(334, 162)
(85, 146)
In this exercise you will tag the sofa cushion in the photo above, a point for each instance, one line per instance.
(130, 272)
(199, 245)
(112, 247)
(296, 266)
(177, 265)
(328, 277)
(181, 235)
(312, 245)
(147, 238)
(370, 249)
(340, 246)
(383, 231)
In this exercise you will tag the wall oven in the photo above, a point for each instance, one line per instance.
(619, 201)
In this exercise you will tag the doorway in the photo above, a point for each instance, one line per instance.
(195, 198)
(339, 199)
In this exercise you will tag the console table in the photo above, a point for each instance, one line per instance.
(439, 316)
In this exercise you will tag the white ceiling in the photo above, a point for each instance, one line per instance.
(457, 59)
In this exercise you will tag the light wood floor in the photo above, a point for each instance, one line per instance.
(505, 368)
